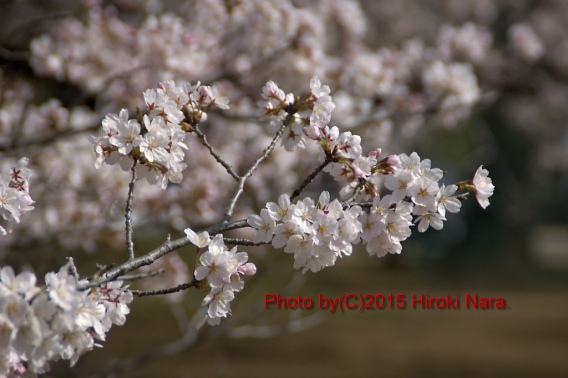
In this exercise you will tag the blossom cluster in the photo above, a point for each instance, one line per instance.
(318, 233)
(311, 114)
(381, 94)
(40, 325)
(321, 106)
(221, 269)
(37, 326)
(391, 76)
(157, 142)
(14, 194)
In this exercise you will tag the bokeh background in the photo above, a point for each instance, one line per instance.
(517, 248)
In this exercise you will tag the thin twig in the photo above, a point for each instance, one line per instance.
(128, 213)
(112, 273)
(242, 242)
(214, 153)
(101, 270)
(136, 277)
(267, 152)
(328, 159)
(184, 286)
(73, 268)
(228, 226)
(135, 263)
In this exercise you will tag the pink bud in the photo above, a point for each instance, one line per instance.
(312, 132)
(205, 91)
(333, 134)
(393, 160)
(375, 153)
(247, 269)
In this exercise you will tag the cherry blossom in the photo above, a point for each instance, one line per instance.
(264, 225)
(14, 195)
(67, 317)
(37, 326)
(483, 186)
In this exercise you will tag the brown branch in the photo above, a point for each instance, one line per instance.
(214, 153)
(170, 290)
(128, 213)
(328, 159)
(242, 242)
(267, 152)
(112, 273)
(140, 276)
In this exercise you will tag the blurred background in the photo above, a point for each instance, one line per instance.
(502, 101)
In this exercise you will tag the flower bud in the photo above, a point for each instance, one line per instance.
(247, 269)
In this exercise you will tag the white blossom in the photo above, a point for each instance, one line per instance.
(445, 201)
(200, 240)
(264, 226)
(483, 186)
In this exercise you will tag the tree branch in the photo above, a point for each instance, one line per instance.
(227, 226)
(170, 290)
(328, 159)
(112, 273)
(136, 277)
(128, 213)
(73, 268)
(242, 242)
(267, 152)
(214, 153)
